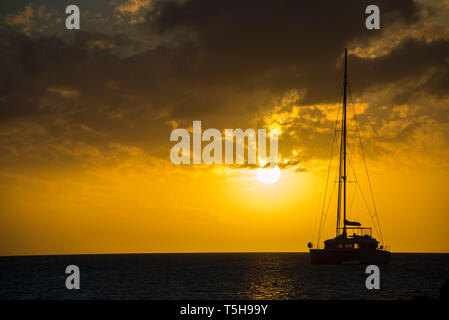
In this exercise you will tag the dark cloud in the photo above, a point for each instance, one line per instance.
(222, 62)
(277, 45)
(412, 58)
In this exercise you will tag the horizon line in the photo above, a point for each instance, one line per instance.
(186, 252)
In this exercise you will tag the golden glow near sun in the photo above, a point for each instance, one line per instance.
(268, 175)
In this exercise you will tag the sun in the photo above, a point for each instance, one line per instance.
(268, 175)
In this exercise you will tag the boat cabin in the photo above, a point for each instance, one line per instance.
(358, 238)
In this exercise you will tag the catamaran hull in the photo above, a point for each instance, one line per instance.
(349, 256)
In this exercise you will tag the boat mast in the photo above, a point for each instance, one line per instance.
(342, 165)
(344, 143)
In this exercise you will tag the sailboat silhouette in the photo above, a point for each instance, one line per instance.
(352, 243)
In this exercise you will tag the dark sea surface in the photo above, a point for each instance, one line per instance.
(218, 276)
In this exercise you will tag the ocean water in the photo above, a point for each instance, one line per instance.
(217, 276)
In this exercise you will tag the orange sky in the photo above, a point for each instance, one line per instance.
(86, 119)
